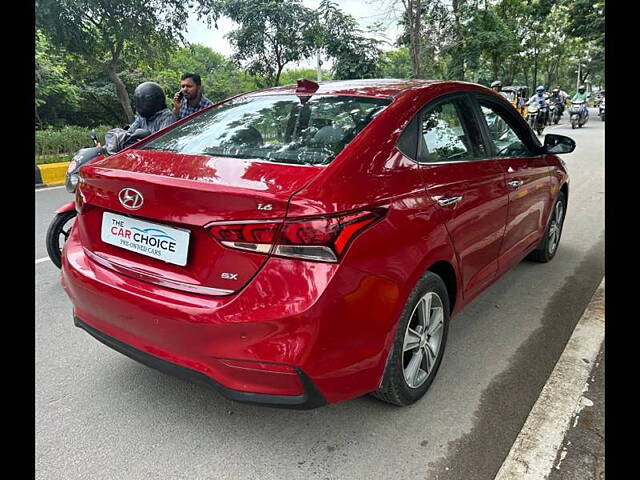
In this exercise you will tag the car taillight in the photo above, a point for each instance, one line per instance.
(322, 239)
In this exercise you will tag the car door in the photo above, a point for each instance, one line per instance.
(527, 175)
(468, 187)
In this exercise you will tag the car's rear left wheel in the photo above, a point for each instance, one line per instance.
(419, 344)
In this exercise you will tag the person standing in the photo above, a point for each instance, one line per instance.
(189, 99)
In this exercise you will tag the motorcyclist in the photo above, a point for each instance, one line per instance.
(563, 95)
(497, 87)
(539, 100)
(151, 105)
(581, 96)
(557, 100)
(153, 115)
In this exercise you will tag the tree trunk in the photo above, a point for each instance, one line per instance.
(413, 9)
(277, 79)
(121, 92)
(457, 61)
(38, 118)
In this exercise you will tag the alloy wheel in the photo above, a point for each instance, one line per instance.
(422, 340)
(555, 226)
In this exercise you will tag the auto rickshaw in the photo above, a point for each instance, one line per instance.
(518, 96)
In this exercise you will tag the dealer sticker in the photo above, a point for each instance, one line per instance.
(154, 240)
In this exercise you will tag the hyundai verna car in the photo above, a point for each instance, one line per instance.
(308, 244)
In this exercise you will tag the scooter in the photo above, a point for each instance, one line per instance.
(579, 114)
(536, 117)
(62, 222)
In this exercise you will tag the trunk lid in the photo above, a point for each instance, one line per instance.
(186, 192)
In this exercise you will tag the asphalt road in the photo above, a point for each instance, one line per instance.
(100, 415)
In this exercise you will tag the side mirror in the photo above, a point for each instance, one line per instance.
(558, 144)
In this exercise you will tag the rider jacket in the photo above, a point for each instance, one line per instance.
(538, 100)
(157, 121)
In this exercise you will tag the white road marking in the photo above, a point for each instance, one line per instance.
(48, 188)
(533, 453)
(40, 260)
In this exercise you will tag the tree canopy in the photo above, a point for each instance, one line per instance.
(91, 54)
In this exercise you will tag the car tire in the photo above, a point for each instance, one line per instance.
(59, 226)
(419, 343)
(548, 246)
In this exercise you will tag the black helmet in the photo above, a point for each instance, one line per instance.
(149, 99)
(582, 88)
(497, 83)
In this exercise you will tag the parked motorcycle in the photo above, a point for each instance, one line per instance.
(601, 110)
(62, 222)
(536, 117)
(579, 114)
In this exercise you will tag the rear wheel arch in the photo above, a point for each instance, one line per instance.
(447, 273)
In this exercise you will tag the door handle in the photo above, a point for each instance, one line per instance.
(446, 202)
(515, 183)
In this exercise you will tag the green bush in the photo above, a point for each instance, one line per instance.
(66, 140)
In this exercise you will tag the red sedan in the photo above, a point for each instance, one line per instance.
(304, 245)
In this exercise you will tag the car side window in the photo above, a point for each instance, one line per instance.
(445, 136)
(503, 135)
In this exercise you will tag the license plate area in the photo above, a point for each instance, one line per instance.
(154, 240)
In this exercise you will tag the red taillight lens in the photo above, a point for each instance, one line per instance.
(248, 232)
(255, 237)
(322, 239)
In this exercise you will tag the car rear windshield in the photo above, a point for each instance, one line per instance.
(305, 130)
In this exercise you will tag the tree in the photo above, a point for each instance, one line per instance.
(271, 34)
(338, 36)
(54, 90)
(397, 63)
(106, 32)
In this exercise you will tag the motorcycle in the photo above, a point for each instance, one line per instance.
(62, 222)
(579, 114)
(556, 109)
(536, 117)
(601, 110)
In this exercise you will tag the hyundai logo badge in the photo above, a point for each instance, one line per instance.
(130, 198)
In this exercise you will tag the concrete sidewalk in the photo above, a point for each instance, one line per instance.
(563, 436)
(582, 453)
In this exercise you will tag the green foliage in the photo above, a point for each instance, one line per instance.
(270, 35)
(289, 77)
(396, 63)
(111, 34)
(355, 55)
(54, 90)
(67, 140)
(517, 41)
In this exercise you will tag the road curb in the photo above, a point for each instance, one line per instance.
(535, 449)
(51, 174)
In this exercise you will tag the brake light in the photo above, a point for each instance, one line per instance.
(322, 239)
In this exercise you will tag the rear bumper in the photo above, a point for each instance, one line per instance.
(311, 398)
(313, 332)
